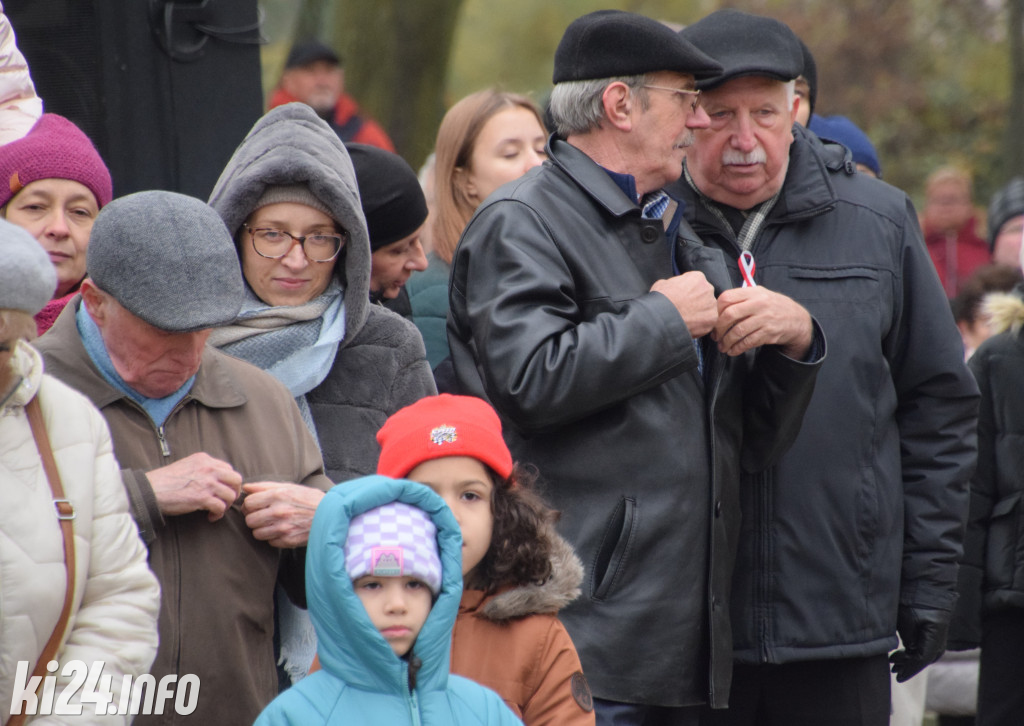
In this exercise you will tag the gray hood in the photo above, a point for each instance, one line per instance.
(292, 145)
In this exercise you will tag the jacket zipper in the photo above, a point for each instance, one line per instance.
(414, 706)
(761, 496)
(165, 448)
(761, 564)
(715, 382)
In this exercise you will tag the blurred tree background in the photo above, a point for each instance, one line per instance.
(931, 82)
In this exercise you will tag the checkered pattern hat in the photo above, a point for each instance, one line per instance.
(394, 540)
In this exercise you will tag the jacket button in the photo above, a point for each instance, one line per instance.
(650, 234)
(718, 508)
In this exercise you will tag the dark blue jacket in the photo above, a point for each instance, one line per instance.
(867, 509)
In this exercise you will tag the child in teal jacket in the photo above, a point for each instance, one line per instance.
(375, 669)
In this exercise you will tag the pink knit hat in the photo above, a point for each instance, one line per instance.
(53, 149)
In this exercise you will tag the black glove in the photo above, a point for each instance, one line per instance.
(924, 640)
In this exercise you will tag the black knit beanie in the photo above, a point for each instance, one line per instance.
(392, 199)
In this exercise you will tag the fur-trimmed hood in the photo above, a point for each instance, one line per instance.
(292, 145)
(548, 597)
(1005, 310)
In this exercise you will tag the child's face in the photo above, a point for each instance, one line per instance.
(465, 485)
(397, 606)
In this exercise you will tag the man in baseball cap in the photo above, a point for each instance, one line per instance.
(189, 425)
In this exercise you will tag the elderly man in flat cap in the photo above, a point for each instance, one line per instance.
(856, 532)
(586, 312)
(222, 475)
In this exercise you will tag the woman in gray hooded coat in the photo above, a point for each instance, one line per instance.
(290, 199)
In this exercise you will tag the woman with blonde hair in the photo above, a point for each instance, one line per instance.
(487, 139)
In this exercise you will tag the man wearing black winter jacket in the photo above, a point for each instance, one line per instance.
(856, 533)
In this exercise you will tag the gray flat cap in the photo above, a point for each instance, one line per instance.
(168, 259)
(746, 45)
(27, 277)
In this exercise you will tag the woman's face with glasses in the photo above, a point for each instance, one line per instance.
(293, 278)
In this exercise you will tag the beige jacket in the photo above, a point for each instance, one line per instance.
(114, 612)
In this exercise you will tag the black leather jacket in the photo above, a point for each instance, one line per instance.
(596, 380)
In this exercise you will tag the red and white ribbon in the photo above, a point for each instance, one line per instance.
(747, 268)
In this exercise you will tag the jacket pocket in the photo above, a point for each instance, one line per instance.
(611, 555)
(1003, 566)
(835, 287)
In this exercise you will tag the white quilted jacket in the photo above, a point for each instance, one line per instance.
(116, 596)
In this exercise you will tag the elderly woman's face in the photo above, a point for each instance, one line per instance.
(293, 279)
(59, 213)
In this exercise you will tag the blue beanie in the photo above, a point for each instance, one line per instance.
(845, 132)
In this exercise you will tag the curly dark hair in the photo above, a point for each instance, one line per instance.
(520, 551)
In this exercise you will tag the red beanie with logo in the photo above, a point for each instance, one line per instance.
(439, 426)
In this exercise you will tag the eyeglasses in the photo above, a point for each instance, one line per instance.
(276, 243)
(681, 92)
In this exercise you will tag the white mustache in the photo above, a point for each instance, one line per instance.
(687, 141)
(731, 156)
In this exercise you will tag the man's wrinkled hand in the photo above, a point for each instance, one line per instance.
(694, 298)
(197, 482)
(280, 513)
(749, 317)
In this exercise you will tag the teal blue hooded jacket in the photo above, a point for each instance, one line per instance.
(361, 680)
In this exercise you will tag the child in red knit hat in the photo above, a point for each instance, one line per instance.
(517, 572)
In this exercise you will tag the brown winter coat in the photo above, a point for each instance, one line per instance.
(217, 580)
(513, 643)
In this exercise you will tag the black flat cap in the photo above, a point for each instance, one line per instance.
(609, 43)
(746, 45)
(309, 51)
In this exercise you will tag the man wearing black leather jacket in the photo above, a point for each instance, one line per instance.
(856, 533)
(628, 367)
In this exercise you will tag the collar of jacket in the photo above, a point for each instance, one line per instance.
(549, 596)
(214, 386)
(1005, 310)
(589, 175)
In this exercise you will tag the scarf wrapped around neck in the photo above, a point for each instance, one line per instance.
(296, 344)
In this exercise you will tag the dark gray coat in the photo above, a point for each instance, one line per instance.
(992, 575)
(597, 384)
(866, 511)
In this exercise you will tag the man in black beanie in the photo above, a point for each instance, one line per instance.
(396, 212)
(585, 310)
(855, 534)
